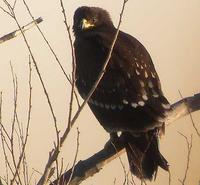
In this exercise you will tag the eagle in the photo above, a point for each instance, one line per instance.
(128, 99)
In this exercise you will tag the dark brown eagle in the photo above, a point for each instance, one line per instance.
(128, 98)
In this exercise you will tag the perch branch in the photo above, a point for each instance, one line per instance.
(18, 32)
(92, 165)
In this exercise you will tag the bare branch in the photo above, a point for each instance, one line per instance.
(95, 163)
(170, 178)
(184, 107)
(73, 64)
(5, 11)
(15, 97)
(90, 166)
(36, 67)
(123, 167)
(51, 48)
(189, 149)
(191, 118)
(75, 158)
(27, 127)
(18, 32)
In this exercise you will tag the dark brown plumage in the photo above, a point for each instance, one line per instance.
(129, 96)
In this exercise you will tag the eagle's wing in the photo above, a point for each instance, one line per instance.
(130, 82)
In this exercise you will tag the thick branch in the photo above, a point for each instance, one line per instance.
(18, 32)
(95, 163)
(184, 107)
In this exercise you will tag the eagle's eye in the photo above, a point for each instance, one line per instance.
(94, 20)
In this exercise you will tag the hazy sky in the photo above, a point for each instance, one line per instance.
(170, 32)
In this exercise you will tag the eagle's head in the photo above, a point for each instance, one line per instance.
(90, 18)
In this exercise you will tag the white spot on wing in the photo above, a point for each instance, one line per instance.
(106, 106)
(160, 119)
(137, 64)
(166, 106)
(150, 84)
(141, 103)
(129, 75)
(125, 101)
(137, 72)
(155, 94)
(134, 105)
(142, 83)
(146, 74)
(153, 75)
(144, 97)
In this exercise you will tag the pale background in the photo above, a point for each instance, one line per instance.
(170, 30)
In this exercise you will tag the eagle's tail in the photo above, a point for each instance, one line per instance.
(143, 154)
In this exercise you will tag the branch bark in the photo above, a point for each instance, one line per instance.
(18, 32)
(92, 165)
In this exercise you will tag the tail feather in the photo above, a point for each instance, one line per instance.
(143, 154)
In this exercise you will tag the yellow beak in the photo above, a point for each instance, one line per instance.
(85, 24)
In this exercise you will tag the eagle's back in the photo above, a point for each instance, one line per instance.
(129, 96)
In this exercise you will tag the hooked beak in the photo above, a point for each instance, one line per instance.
(85, 24)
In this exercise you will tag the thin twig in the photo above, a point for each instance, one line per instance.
(28, 125)
(15, 2)
(123, 167)
(132, 180)
(15, 97)
(189, 149)
(73, 64)
(3, 140)
(1, 131)
(52, 50)
(170, 178)
(5, 11)
(75, 157)
(43, 86)
(59, 171)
